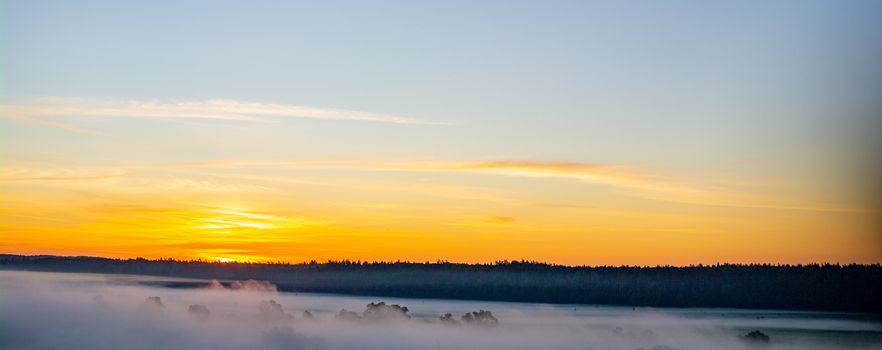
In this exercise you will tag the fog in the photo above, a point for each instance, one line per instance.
(83, 311)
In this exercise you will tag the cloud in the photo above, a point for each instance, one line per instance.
(495, 219)
(39, 173)
(627, 179)
(194, 184)
(589, 172)
(411, 188)
(489, 221)
(134, 179)
(225, 219)
(229, 164)
(38, 110)
(630, 180)
(565, 205)
(613, 174)
(50, 123)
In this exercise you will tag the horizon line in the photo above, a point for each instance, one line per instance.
(443, 262)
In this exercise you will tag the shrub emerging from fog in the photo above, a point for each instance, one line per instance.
(756, 338)
(347, 315)
(270, 310)
(480, 318)
(376, 312)
(153, 302)
(200, 312)
(448, 319)
(247, 285)
(254, 285)
(384, 312)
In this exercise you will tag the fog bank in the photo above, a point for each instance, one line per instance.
(64, 311)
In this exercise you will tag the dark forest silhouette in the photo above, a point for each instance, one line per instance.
(822, 287)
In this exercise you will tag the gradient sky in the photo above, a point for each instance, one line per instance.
(601, 132)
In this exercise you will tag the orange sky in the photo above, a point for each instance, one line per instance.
(469, 212)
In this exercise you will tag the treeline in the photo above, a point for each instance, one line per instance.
(822, 287)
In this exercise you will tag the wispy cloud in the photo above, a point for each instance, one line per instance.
(38, 110)
(637, 181)
(4, 113)
(640, 182)
(614, 174)
(565, 205)
(40, 173)
(132, 179)
(618, 175)
(221, 164)
(495, 219)
(418, 188)
(197, 184)
(627, 179)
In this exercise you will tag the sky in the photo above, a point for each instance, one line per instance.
(572, 132)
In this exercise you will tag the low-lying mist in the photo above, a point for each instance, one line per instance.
(78, 311)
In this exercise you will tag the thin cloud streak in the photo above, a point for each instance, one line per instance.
(565, 205)
(629, 179)
(39, 109)
(12, 114)
(649, 185)
(222, 164)
(44, 173)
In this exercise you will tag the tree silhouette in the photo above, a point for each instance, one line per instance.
(347, 315)
(198, 311)
(154, 302)
(383, 312)
(756, 338)
(482, 318)
(448, 319)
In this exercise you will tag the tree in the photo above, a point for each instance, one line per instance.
(347, 315)
(270, 310)
(384, 312)
(154, 302)
(756, 338)
(200, 312)
(448, 319)
(482, 318)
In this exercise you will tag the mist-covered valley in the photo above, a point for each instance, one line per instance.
(41, 310)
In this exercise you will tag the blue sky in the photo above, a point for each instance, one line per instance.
(726, 70)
